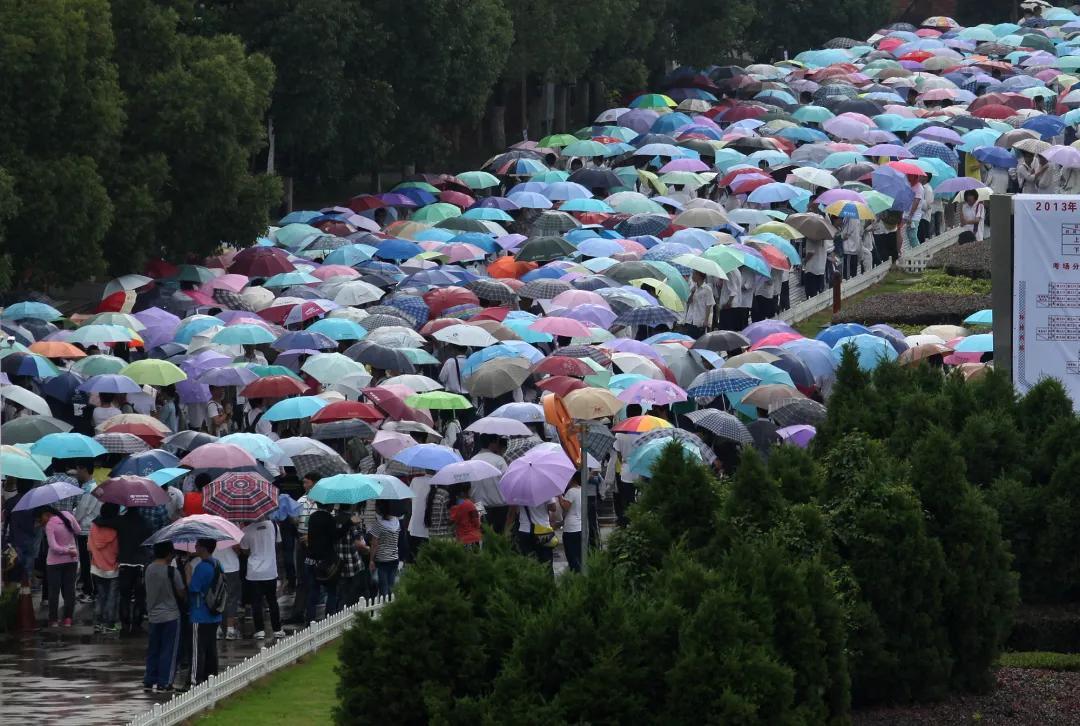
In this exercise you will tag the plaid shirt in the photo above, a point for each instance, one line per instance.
(351, 562)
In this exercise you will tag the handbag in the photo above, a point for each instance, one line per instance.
(545, 536)
(327, 570)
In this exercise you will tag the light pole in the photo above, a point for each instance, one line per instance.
(9, 341)
(584, 496)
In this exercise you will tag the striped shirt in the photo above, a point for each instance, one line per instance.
(307, 506)
(386, 531)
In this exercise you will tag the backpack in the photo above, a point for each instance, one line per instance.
(217, 594)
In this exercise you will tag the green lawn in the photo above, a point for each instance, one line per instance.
(301, 694)
(895, 281)
(1041, 660)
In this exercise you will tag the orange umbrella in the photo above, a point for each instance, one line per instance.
(56, 349)
(508, 267)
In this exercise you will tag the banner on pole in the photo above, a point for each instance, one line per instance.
(1046, 291)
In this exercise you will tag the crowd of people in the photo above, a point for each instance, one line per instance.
(271, 434)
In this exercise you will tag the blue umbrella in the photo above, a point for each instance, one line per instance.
(1047, 126)
(49, 493)
(243, 334)
(981, 343)
(392, 487)
(147, 462)
(350, 255)
(110, 383)
(982, 317)
(28, 364)
(39, 310)
(294, 408)
(773, 192)
(67, 446)
(995, 156)
(166, 475)
(412, 305)
(427, 456)
(397, 249)
(643, 457)
(338, 329)
(345, 489)
(870, 349)
(892, 183)
(833, 333)
(301, 339)
(62, 387)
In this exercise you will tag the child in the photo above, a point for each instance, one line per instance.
(466, 519)
(104, 546)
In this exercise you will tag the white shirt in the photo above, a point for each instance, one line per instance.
(624, 444)
(104, 413)
(450, 375)
(539, 515)
(997, 179)
(699, 304)
(260, 541)
(814, 262)
(851, 236)
(572, 516)
(420, 486)
(486, 491)
(228, 559)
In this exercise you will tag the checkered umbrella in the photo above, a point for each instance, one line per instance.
(396, 468)
(834, 90)
(462, 312)
(231, 300)
(322, 463)
(798, 411)
(594, 282)
(412, 305)
(842, 43)
(553, 223)
(382, 320)
(599, 440)
(936, 150)
(721, 380)
(343, 430)
(707, 454)
(519, 447)
(120, 443)
(599, 355)
(721, 423)
(639, 225)
(543, 289)
(493, 291)
(241, 496)
(391, 310)
(649, 316)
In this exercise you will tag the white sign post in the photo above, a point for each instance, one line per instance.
(1046, 291)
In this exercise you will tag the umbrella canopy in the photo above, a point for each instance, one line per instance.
(130, 490)
(345, 489)
(538, 476)
(240, 496)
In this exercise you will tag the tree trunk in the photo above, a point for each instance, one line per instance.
(271, 138)
(524, 106)
(561, 102)
(547, 108)
(587, 102)
(287, 187)
(497, 118)
(376, 182)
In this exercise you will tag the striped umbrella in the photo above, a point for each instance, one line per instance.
(241, 496)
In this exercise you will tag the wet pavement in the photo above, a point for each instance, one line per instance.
(74, 676)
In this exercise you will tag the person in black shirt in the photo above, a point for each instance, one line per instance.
(320, 564)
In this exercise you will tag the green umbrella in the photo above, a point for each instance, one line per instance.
(703, 265)
(28, 429)
(17, 463)
(419, 357)
(424, 186)
(556, 141)
(550, 176)
(327, 368)
(877, 201)
(542, 249)
(674, 278)
(96, 365)
(478, 179)
(436, 212)
(585, 148)
(633, 203)
(194, 273)
(154, 372)
(727, 258)
(442, 400)
(264, 371)
(812, 114)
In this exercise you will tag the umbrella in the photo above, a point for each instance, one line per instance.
(67, 446)
(43, 495)
(131, 491)
(722, 424)
(652, 393)
(299, 407)
(465, 472)
(497, 376)
(721, 380)
(196, 527)
(427, 456)
(154, 372)
(643, 458)
(537, 476)
(799, 411)
(146, 462)
(240, 496)
(122, 443)
(345, 489)
(499, 426)
(380, 356)
(28, 429)
(218, 456)
(523, 412)
(26, 399)
(592, 403)
(799, 435)
(392, 487)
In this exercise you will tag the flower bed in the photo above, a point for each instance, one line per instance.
(913, 308)
(970, 260)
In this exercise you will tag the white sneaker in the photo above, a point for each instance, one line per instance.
(221, 633)
(259, 635)
(279, 633)
(232, 634)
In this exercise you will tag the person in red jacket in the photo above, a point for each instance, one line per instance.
(465, 518)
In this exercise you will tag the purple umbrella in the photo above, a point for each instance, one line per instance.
(156, 316)
(960, 184)
(599, 316)
(110, 383)
(227, 376)
(628, 345)
(510, 241)
(131, 491)
(639, 120)
(49, 493)
(940, 134)
(157, 335)
(652, 393)
(799, 435)
(839, 195)
(891, 182)
(395, 199)
(888, 150)
(204, 361)
(538, 476)
(191, 391)
(501, 203)
(762, 328)
(844, 127)
(465, 471)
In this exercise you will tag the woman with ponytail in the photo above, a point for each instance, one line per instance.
(62, 560)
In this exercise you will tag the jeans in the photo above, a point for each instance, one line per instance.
(161, 653)
(105, 600)
(387, 574)
(267, 589)
(61, 580)
(315, 590)
(572, 546)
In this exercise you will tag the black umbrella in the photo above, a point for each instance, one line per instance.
(643, 139)
(594, 282)
(859, 105)
(380, 356)
(544, 249)
(722, 341)
(596, 178)
(799, 411)
(764, 434)
(625, 272)
(188, 440)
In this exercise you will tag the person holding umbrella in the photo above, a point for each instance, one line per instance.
(61, 560)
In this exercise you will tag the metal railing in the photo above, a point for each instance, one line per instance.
(282, 653)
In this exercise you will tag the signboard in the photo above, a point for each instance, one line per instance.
(1046, 291)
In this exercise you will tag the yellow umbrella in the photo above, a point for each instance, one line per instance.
(652, 180)
(663, 291)
(778, 228)
(592, 403)
(850, 209)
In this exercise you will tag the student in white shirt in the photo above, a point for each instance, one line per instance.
(450, 373)
(418, 531)
(973, 214)
(485, 493)
(699, 306)
(813, 265)
(260, 541)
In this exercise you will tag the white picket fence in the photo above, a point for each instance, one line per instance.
(282, 653)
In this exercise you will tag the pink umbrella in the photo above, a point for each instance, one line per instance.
(574, 298)
(894, 150)
(560, 326)
(838, 195)
(231, 282)
(601, 317)
(218, 456)
(461, 252)
(388, 443)
(652, 393)
(684, 165)
(1065, 156)
(538, 476)
(631, 246)
(327, 271)
(627, 345)
(498, 426)
(846, 128)
(464, 472)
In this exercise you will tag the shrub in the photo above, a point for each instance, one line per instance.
(970, 260)
(939, 281)
(912, 308)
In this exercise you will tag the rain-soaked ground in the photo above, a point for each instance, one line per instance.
(74, 676)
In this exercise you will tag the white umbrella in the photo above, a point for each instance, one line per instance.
(27, 399)
(126, 282)
(397, 336)
(466, 335)
(417, 383)
(357, 292)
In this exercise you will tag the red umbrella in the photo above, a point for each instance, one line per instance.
(365, 202)
(147, 433)
(261, 262)
(731, 176)
(240, 496)
(447, 297)
(346, 411)
(994, 111)
(160, 268)
(560, 385)
(394, 407)
(775, 340)
(121, 301)
(434, 326)
(458, 199)
(906, 167)
(131, 491)
(273, 387)
(560, 365)
(296, 312)
(497, 314)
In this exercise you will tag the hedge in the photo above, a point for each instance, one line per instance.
(912, 308)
